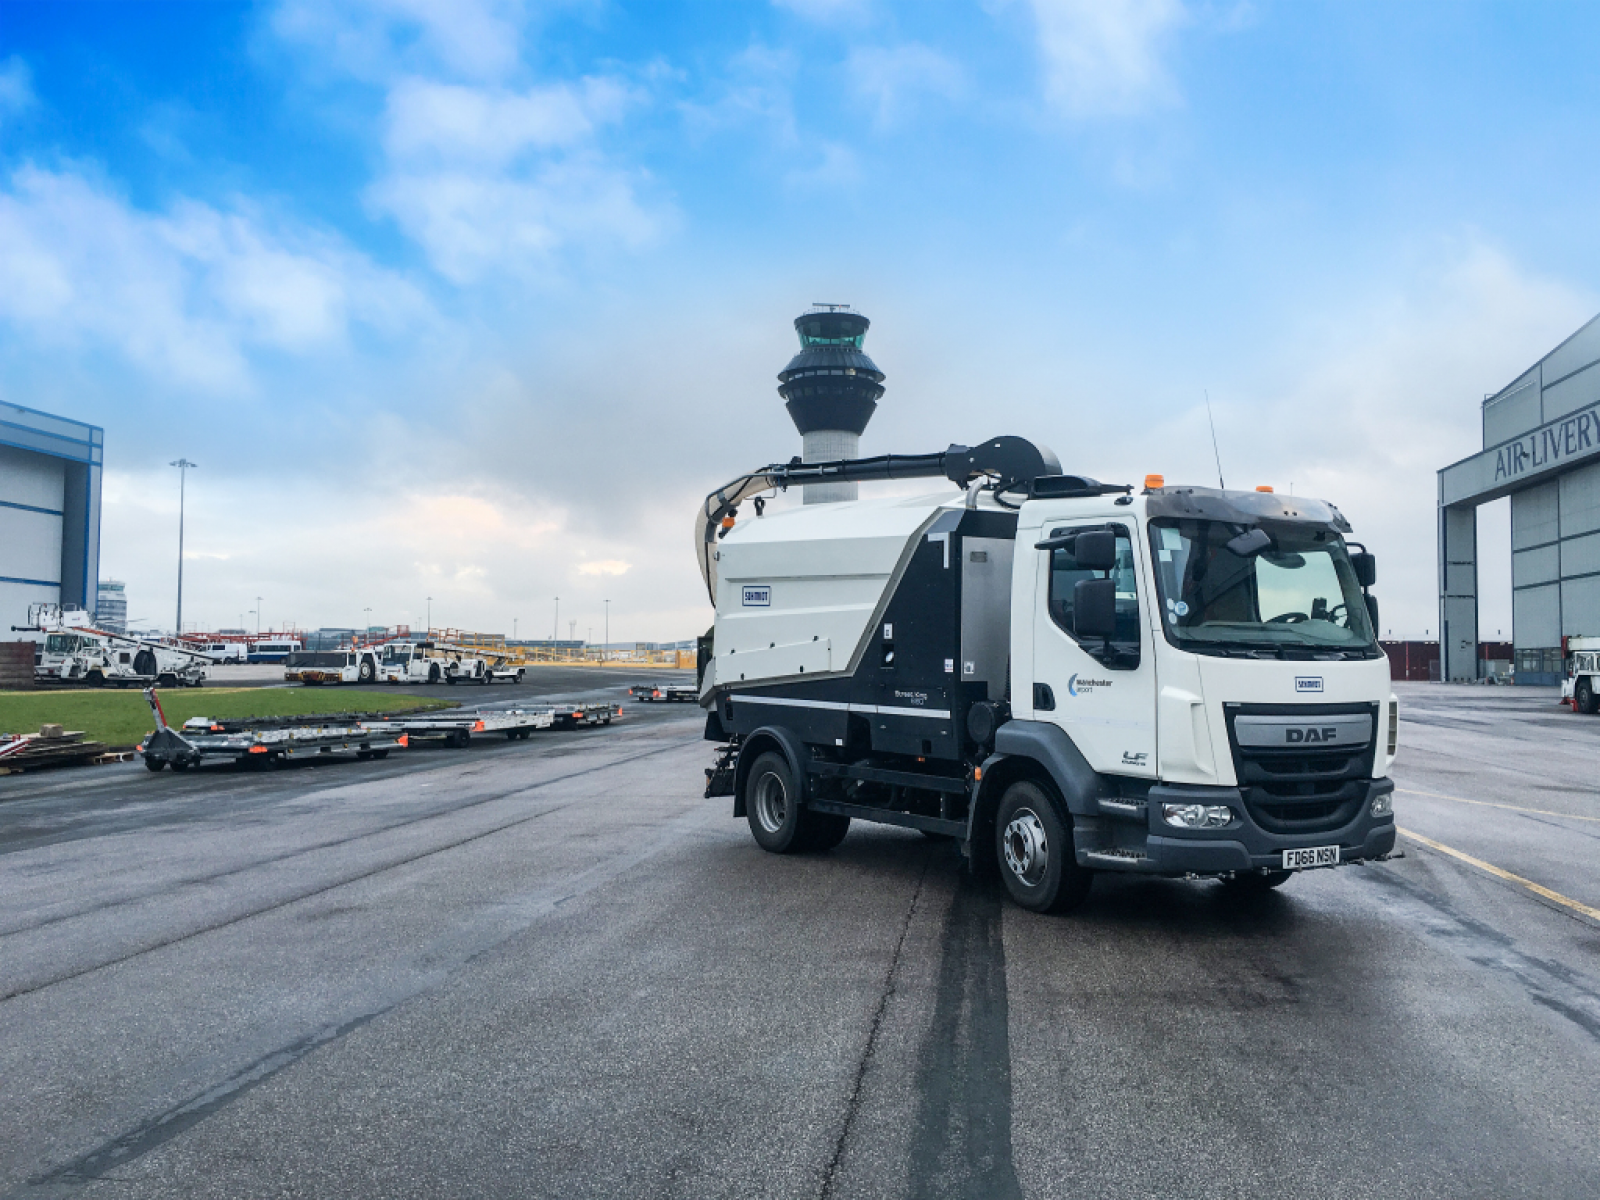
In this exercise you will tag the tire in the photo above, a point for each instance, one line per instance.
(168, 680)
(777, 819)
(460, 739)
(95, 679)
(366, 671)
(1033, 845)
(363, 755)
(512, 735)
(433, 673)
(181, 764)
(154, 764)
(1255, 883)
(1583, 696)
(380, 754)
(826, 831)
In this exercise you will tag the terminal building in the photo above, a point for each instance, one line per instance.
(49, 512)
(1541, 447)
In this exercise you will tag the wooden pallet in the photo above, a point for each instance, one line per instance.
(51, 747)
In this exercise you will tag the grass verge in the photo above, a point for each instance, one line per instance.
(122, 718)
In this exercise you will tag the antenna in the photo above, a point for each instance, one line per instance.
(1214, 450)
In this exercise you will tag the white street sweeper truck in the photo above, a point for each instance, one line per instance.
(1066, 676)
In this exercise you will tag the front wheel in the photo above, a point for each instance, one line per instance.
(1034, 845)
(365, 671)
(95, 679)
(1583, 695)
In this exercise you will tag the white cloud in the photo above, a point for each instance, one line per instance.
(828, 12)
(377, 39)
(473, 224)
(448, 122)
(184, 294)
(485, 176)
(894, 78)
(486, 556)
(1103, 57)
(16, 87)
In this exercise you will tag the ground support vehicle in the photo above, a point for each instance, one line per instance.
(321, 666)
(1581, 687)
(75, 651)
(264, 743)
(431, 662)
(1067, 677)
(669, 693)
(456, 727)
(583, 716)
(507, 674)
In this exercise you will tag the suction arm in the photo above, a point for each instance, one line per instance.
(1003, 460)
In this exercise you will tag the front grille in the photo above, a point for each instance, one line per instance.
(1302, 789)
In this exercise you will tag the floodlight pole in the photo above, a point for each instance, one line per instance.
(183, 465)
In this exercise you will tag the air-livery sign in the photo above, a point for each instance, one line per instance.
(1563, 443)
(1574, 437)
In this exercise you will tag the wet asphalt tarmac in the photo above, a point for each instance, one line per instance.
(549, 968)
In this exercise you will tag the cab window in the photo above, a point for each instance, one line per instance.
(1121, 650)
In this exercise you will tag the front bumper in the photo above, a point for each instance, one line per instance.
(1161, 849)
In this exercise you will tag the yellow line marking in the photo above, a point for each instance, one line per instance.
(1592, 913)
(1543, 812)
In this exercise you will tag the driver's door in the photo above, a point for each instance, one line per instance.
(1101, 691)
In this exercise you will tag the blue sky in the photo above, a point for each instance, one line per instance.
(474, 301)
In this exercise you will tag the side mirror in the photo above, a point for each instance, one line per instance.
(1372, 611)
(1096, 551)
(1366, 568)
(1094, 607)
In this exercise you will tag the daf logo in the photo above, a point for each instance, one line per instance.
(1311, 734)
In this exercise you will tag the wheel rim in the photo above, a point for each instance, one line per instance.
(772, 802)
(1027, 850)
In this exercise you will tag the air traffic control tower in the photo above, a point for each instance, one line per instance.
(830, 389)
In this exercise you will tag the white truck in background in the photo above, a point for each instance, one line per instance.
(1582, 685)
(432, 662)
(1064, 676)
(75, 651)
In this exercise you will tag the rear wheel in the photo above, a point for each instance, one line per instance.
(1033, 843)
(778, 821)
(433, 673)
(95, 679)
(365, 671)
(380, 754)
(1584, 695)
(459, 738)
(154, 764)
(167, 680)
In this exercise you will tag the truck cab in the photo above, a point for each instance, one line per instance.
(1215, 664)
(1067, 677)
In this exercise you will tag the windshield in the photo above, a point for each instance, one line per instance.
(396, 654)
(60, 643)
(1295, 595)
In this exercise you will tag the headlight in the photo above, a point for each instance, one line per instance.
(1197, 816)
(1383, 805)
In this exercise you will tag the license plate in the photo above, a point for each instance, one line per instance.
(1312, 856)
